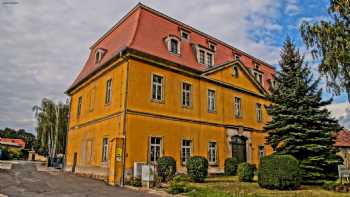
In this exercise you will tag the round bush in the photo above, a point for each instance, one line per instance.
(231, 165)
(197, 168)
(245, 172)
(279, 172)
(166, 168)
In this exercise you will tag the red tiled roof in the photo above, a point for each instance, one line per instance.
(19, 142)
(343, 138)
(145, 29)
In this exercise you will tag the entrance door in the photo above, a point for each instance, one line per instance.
(239, 148)
(74, 162)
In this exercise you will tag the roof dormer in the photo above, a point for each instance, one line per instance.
(99, 54)
(173, 44)
(204, 56)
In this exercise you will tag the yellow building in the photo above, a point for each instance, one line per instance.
(153, 86)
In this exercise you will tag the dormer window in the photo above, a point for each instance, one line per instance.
(256, 66)
(185, 35)
(99, 55)
(212, 46)
(173, 45)
(258, 76)
(205, 56)
(237, 57)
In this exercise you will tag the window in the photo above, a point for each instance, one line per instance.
(99, 55)
(261, 151)
(201, 57)
(108, 96)
(186, 151)
(256, 66)
(237, 57)
(157, 87)
(237, 107)
(205, 56)
(80, 101)
(210, 59)
(258, 112)
(174, 46)
(212, 157)
(155, 148)
(258, 76)
(185, 35)
(211, 100)
(186, 94)
(235, 72)
(105, 149)
(212, 46)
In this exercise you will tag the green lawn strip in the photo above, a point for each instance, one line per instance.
(229, 186)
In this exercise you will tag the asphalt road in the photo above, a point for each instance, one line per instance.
(23, 180)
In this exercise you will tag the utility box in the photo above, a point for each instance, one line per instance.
(138, 169)
(148, 175)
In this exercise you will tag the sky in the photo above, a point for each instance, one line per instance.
(44, 43)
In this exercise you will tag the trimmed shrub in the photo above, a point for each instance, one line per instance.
(197, 168)
(177, 187)
(231, 165)
(136, 182)
(245, 172)
(166, 168)
(279, 172)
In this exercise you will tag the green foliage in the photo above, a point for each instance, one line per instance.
(245, 172)
(207, 192)
(52, 126)
(178, 187)
(279, 172)
(136, 182)
(231, 165)
(330, 185)
(166, 168)
(197, 168)
(301, 126)
(329, 40)
(182, 177)
(15, 153)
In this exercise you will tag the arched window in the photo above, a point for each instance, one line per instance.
(173, 45)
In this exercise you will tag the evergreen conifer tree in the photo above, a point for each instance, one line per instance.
(300, 124)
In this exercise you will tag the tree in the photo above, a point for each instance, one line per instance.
(300, 124)
(52, 126)
(330, 41)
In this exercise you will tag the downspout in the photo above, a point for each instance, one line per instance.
(124, 122)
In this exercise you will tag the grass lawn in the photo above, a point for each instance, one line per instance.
(230, 186)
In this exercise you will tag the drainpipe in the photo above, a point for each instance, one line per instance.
(124, 122)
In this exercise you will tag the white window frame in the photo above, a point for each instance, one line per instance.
(182, 32)
(156, 146)
(211, 100)
(237, 57)
(105, 144)
(258, 76)
(186, 149)
(212, 46)
(237, 107)
(212, 153)
(155, 88)
(258, 109)
(261, 151)
(99, 55)
(201, 59)
(206, 56)
(108, 93)
(168, 41)
(186, 96)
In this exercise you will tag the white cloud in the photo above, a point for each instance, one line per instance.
(341, 111)
(44, 43)
(292, 7)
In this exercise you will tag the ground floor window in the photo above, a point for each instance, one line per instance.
(155, 148)
(261, 151)
(104, 149)
(212, 149)
(186, 151)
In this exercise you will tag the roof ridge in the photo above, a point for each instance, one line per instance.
(201, 33)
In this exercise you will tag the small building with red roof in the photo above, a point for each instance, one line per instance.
(343, 143)
(13, 142)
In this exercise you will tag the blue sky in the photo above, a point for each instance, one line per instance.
(44, 43)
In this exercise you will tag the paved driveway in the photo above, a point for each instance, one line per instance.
(23, 180)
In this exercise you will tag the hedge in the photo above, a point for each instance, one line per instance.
(166, 168)
(197, 168)
(231, 165)
(245, 172)
(279, 172)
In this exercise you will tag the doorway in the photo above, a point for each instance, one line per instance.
(239, 150)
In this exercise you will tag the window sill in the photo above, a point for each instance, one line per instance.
(158, 101)
(176, 54)
(212, 112)
(187, 107)
(108, 104)
(213, 164)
